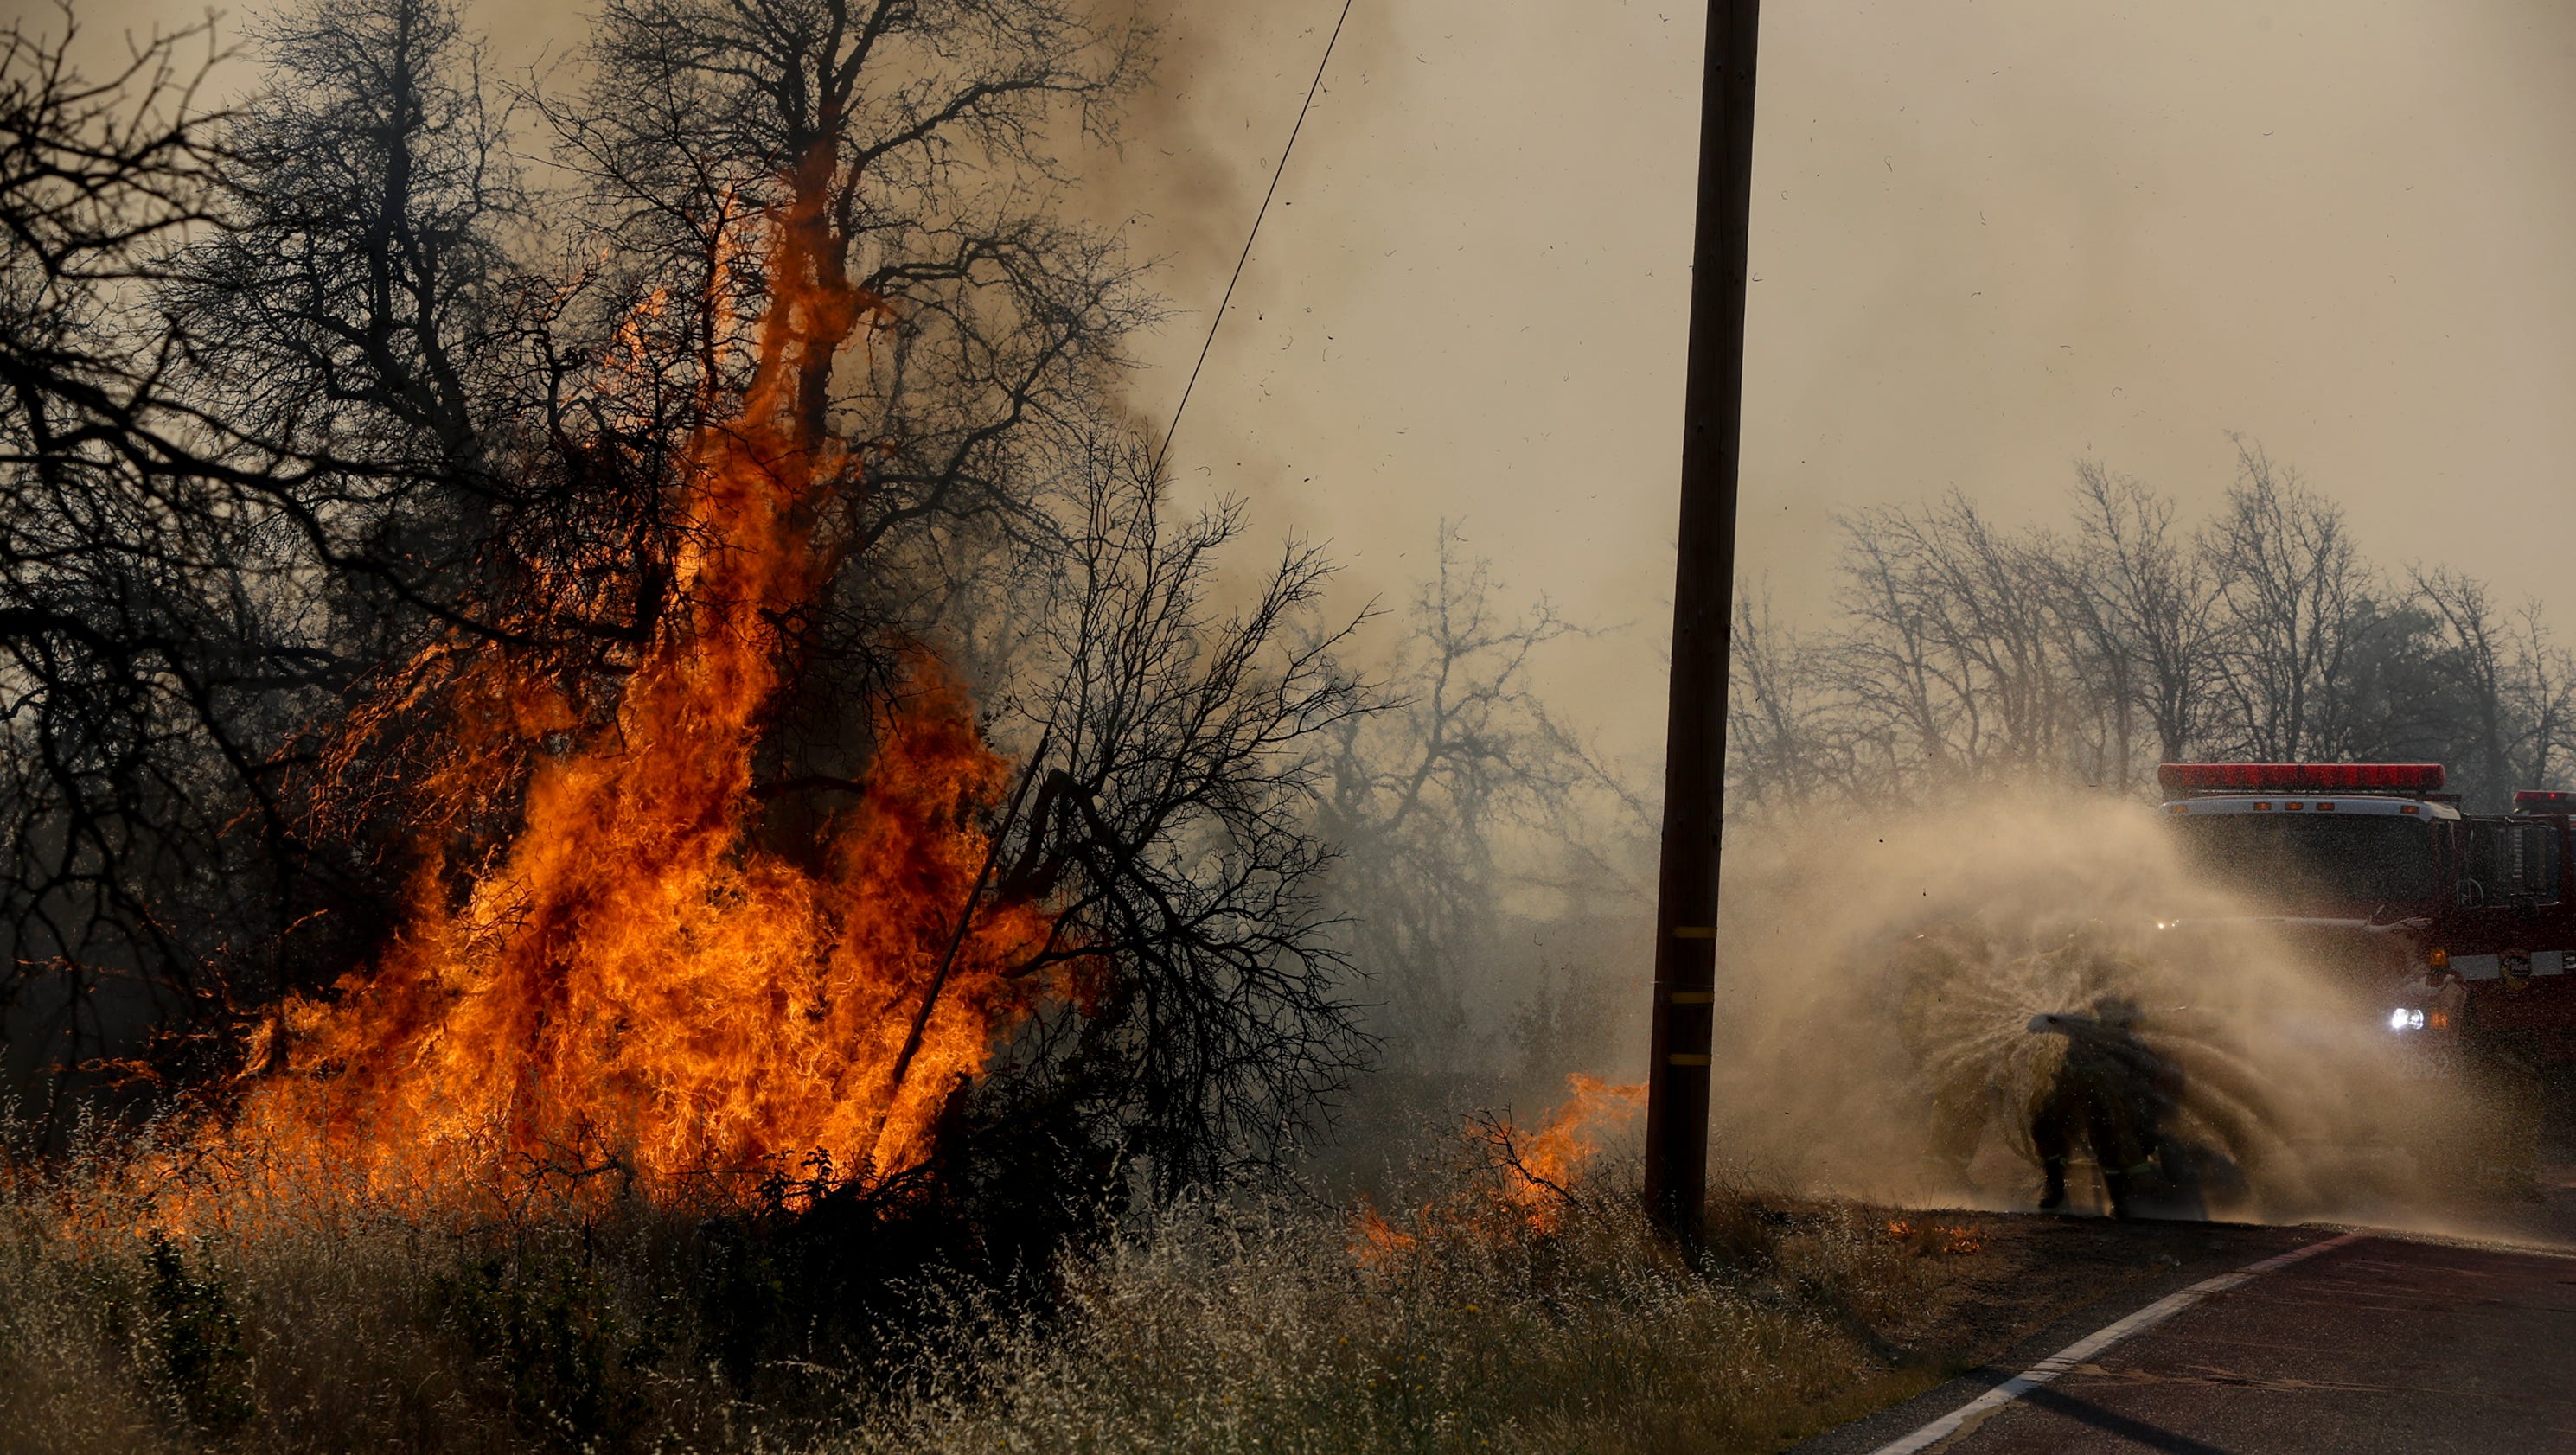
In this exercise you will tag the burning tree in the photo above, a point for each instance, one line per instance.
(557, 626)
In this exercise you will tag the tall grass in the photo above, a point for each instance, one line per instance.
(1280, 1324)
(1276, 1329)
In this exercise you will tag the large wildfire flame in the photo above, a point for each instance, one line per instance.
(639, 984)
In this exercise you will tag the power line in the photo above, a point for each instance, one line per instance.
(1276, 173)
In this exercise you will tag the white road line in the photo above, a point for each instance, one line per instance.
(2094, 1343)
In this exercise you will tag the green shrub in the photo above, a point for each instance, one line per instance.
(200, 1339)
(551, 1326)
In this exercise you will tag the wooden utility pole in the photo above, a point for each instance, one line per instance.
(1703, 611)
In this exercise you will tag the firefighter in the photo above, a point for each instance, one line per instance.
(2109, 1094)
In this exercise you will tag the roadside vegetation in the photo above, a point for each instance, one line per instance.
(1475, 1313)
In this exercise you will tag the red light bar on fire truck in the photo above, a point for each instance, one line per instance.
(2541, 800)
(2300, 777)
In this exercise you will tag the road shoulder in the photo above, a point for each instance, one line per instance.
(2056, 1280)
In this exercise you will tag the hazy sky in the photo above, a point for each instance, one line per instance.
(1988, 238)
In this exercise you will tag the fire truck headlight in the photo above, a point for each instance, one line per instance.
(2403, 1019)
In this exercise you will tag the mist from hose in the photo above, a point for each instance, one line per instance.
(1919, 1005)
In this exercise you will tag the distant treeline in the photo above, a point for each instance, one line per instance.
(1964, 652)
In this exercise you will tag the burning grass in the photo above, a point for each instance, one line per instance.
(326, 1321)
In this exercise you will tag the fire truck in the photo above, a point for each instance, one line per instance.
(2456, 930)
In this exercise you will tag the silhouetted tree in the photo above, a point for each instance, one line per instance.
(2296, 598)
(2148, 600)
(1435, 802)
(1964, 652)
(129, 673)
(1181, 757)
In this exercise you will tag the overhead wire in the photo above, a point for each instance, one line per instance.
(1264, 211)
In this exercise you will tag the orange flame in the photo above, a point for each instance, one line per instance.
(1375, 1243)
(1543, 1169)
(1540, 1178)
(637, 983)
(1937, 1238)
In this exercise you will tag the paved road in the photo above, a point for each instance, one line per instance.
(2378, 1345)
(2387, 1342)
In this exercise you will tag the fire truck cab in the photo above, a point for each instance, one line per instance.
(2461, 925)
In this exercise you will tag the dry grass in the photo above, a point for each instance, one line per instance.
(1201, 1325)
(1222, 1330)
